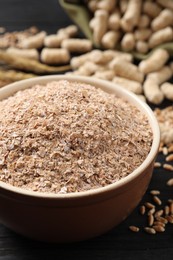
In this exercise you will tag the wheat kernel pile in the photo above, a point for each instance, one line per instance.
(69, 137)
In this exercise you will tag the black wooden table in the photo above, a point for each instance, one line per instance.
(119, 243)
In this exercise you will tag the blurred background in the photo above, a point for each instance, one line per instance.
(46, 14)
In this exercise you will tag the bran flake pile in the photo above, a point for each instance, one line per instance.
(69, 137)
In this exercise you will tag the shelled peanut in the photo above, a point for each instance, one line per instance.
(150, 78)
(134, 24)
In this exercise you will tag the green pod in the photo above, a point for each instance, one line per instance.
(79, 14)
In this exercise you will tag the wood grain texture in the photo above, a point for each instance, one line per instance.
(117, 244)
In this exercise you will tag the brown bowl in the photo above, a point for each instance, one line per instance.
(77, 216)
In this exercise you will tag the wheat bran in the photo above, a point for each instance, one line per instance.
(69, 137)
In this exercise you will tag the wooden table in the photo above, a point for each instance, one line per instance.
(119, 243)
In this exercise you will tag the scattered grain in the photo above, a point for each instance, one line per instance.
(157, 165)
(158, 223)
(157, 200)
(149, 205)
(155, 192)
(158, 228)
(159, 213)
(168, 167)
(150, 220)
(169, 219)
(170, 182)
(151, 211)
(142, 210)
(166, 210)
(150, 230)
(162, 219)
(171, 208)
(134, 228)
(169, 158)
(165, 150)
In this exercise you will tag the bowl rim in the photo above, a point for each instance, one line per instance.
(108, 86)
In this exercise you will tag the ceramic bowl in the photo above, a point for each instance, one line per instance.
(77, 216)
